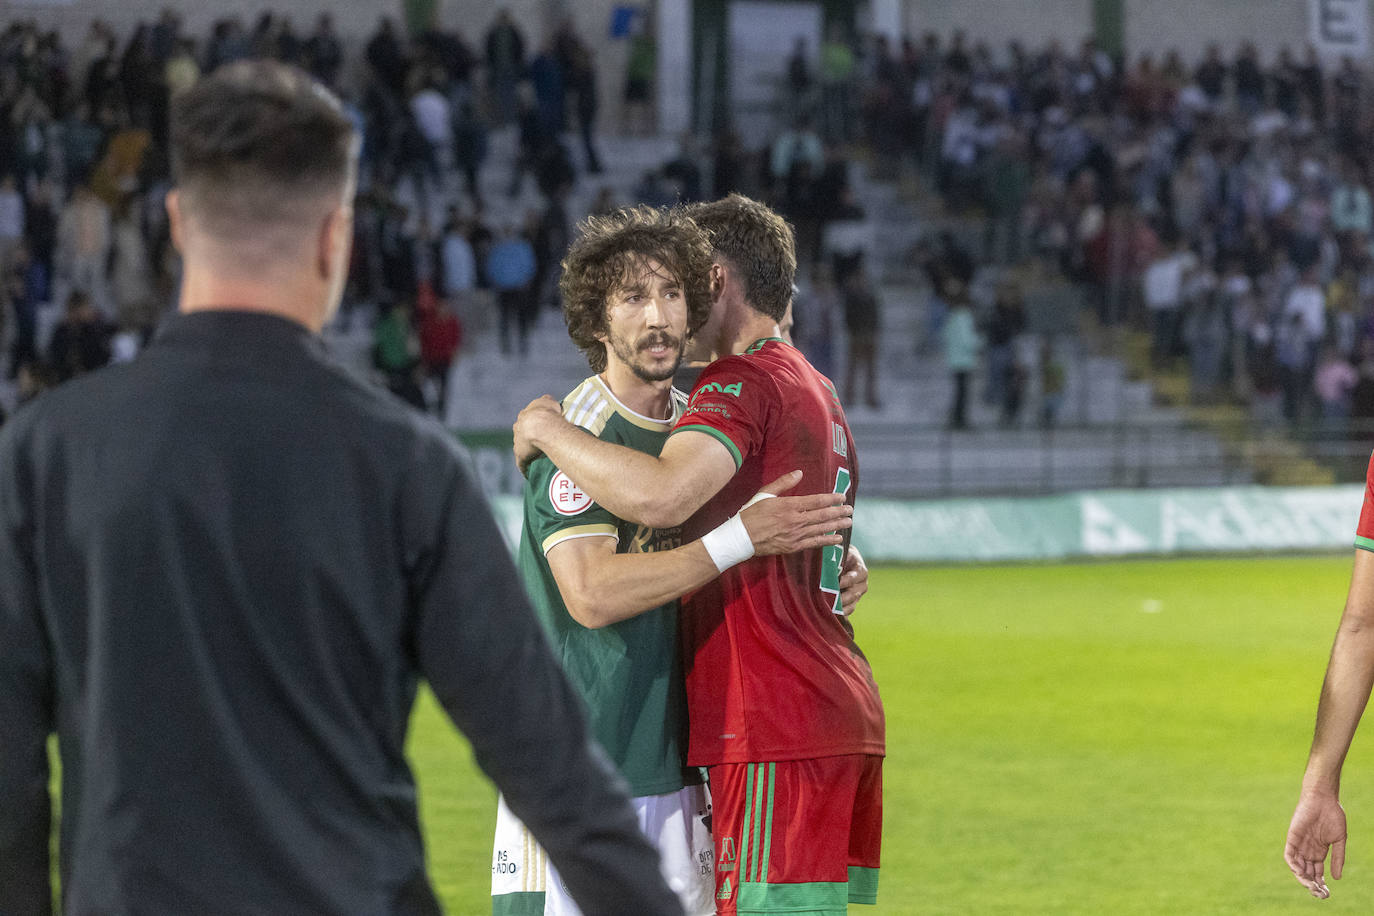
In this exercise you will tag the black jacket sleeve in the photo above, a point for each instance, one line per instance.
(25, 705)
(481, 649)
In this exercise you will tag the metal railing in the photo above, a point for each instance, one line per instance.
(925, 462)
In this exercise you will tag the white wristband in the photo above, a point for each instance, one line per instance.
(758, 497)
(728, 544)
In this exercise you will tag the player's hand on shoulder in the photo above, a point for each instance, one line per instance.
(529, 423)
(525, 453)
(853, 580)
(533, 417)
(791, 523)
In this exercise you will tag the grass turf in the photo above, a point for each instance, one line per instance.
(1098, 738)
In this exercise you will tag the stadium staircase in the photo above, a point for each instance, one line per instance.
(1277, 457)
(1110, 430)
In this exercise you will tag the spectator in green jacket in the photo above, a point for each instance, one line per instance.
(962, 343)
(396, 352)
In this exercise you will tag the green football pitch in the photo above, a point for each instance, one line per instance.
(1098, 738)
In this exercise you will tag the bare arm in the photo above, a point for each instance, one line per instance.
(661, 492)
(1318, 824)
(601, 587)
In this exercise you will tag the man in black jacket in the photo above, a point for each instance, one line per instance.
(224, 566)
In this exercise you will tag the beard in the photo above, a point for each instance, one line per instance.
(647, 368)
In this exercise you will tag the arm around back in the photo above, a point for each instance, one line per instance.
(600, 587)
(661, 492)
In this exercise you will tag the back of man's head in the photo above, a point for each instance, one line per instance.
(259, 149)
(758, 246)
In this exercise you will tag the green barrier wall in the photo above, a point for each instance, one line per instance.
(1109, 523)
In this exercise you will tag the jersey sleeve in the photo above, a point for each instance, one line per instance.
(1364, 531)
(730, 403)
(559, 510)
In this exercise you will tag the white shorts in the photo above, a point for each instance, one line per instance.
(525, 883)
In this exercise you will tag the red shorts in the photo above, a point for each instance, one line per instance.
(797, 835)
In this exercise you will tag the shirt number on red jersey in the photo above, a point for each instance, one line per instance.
(832, 557)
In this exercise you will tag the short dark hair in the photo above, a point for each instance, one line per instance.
(608, 248)
(758, 244)
(254, 139)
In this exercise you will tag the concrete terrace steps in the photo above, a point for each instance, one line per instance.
(904, 450)
(1118, 437)
(489, 387)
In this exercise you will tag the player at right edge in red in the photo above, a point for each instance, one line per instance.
(1318, 824)
(784, 711)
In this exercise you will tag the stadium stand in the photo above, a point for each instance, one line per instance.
(1080, 395)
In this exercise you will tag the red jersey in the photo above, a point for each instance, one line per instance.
(773, 673)
(1364, 531)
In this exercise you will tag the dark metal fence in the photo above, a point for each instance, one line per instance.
(916, 462)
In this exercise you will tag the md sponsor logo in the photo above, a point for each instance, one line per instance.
(733, 389)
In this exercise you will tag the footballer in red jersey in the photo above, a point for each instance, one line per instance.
(783, 707)
(775, 673)
(1318, 827)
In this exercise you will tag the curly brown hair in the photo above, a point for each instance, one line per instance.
(607, 253)
(758, 244)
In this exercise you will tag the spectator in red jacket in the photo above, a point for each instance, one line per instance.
(441, 334)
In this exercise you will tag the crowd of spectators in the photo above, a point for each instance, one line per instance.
(83, 171)
(1224, 203)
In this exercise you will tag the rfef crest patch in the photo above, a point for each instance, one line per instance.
(566, 497)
